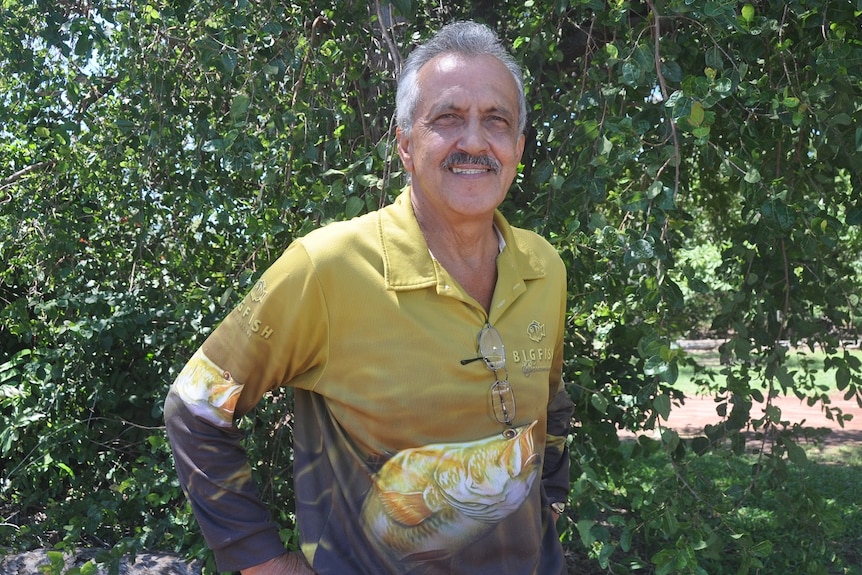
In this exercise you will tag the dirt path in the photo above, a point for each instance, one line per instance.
(699, 411)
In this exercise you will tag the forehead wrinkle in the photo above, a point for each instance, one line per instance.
(443, 87)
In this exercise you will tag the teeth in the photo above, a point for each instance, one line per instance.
(467, 171)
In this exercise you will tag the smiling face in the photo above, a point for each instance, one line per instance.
(464, 147)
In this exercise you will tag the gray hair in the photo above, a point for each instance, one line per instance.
(466, 38)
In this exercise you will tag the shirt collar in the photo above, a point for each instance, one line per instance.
(407, 262)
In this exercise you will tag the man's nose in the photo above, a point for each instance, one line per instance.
(473, 139)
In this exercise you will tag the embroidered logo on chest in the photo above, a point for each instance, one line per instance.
(536, 331)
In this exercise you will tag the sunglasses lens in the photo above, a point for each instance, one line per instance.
(503, 401)
(493, 353)
(491, 348)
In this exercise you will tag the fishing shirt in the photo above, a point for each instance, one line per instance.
(400, 464)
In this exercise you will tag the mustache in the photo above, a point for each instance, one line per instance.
(465, 158)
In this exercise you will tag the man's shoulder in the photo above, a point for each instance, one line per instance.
(536, 253)
(528, 240)
(528, 236)
(337, 237)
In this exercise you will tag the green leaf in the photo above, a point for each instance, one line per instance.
(626, 538)
(642, 250)
(795, 453)
(557, 181)
(227, 63)
(404, 7)
(823, 91)
(651, 344)
(661, 403)
(672, 71)
(762, 548)
(714, 58)
(56, 557)
(671, 439)
(778, 214)
(368, 180)
(841, 119)
(700, 445)
(599, 401)
(696, 115)
(585, 530)
(124, 125)
(842, 378)
(773, 413)
(239, 106)
(542, 173)
(748, 12)
(723, 86)
(752, 176)
(65, 468)
(353, 207)
(655, 365)
(631, 73)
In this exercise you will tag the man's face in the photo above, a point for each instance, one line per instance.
(464, 147)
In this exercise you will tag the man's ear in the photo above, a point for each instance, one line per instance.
(403, 141)
(522, 139)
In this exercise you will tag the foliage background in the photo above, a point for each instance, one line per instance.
(697, 164)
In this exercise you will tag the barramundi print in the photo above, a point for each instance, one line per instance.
(207, 390)
(427, 502)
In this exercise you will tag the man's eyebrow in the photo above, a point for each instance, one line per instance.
(452, 106)
(444, 106)
(501, 111)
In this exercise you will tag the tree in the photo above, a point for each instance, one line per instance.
(158, 156)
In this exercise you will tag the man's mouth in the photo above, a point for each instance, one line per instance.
(469, 171)
(466, 165)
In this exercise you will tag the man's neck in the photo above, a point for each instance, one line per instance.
(467, 250)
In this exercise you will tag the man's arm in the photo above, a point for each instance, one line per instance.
(287, 564)
(555, 471)
(254, 350)
(215, 475)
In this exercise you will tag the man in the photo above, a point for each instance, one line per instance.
(424, 344)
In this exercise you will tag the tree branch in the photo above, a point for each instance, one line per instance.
(384, 32)
(664, 93)
(301, 76)
(9, 180)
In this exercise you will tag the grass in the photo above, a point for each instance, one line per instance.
(836, 470)
(829, 482)
(801, 363)
(801, 518)
(738, 513)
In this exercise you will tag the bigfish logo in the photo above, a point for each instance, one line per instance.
(258, 292)
(536, 331)
(207, 390)
(428, 502)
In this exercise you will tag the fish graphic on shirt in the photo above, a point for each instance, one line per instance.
(428, 502)
(207, 390)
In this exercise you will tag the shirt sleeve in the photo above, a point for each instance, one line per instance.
(555, 470)
(266, 341)
(216, 478)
